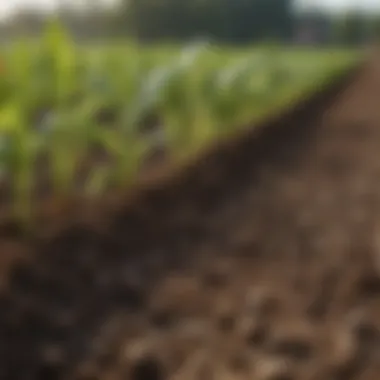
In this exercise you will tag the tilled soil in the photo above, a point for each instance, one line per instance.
(261, 260)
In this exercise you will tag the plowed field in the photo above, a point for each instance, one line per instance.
(260, 260)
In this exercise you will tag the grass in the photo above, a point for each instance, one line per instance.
(64, 107)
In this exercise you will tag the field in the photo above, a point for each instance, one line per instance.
(79, 121)
(256, 255)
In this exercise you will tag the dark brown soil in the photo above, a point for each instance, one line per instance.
(260, 260)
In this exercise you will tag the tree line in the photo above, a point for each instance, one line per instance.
(236, 21)
(223, 21)
(241, 21)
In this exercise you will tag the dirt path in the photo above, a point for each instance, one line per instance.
(261, 262)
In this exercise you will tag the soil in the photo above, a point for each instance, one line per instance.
(260, 260)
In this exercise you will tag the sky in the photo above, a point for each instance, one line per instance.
(7, 7)
(343, 4)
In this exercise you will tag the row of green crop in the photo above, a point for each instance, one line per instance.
(51, 92)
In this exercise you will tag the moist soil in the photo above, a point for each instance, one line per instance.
(259, 260)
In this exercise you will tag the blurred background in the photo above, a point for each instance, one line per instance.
(312, 22)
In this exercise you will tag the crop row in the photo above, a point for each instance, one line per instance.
(85, 119)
